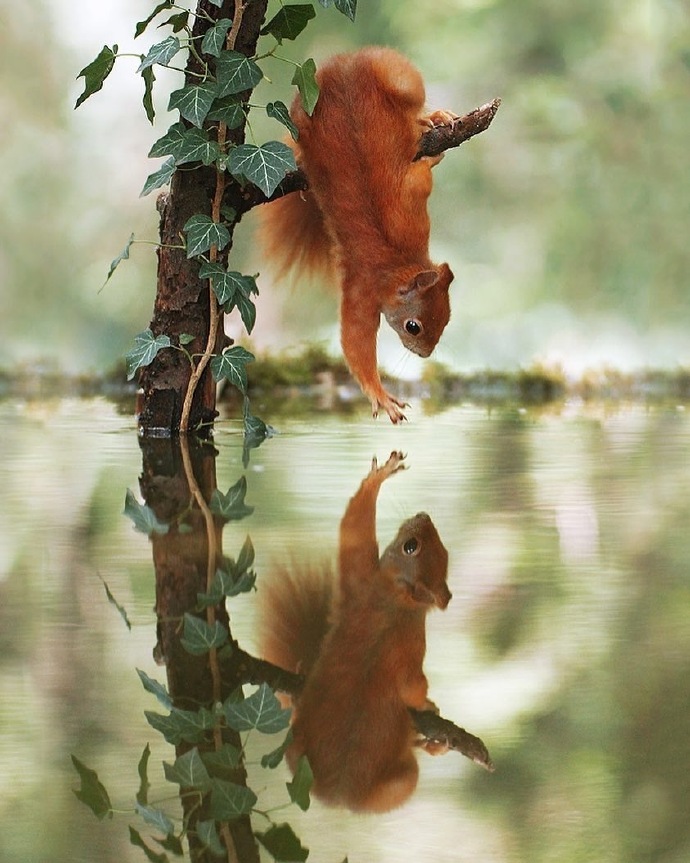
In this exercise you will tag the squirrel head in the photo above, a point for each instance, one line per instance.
(417, 562)
(420, 308)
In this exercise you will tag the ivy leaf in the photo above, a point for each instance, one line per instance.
(264, 165)
(247, 311)
(149, 78)
(123, 256)
(261, 710)
(159, 178)
(279, 111)
(229, 800)
(227, 110)
(156, 818)
(305, 81)
(199, 637)
(194, 102)
(216, 3)
(301, 783)
(289, 22)
(225, 284)
(274, 758)
(92, 791)
(214, 38)
(236, 73)
(186, 145)
(145, 350)
(155, 688)
(246, 558)
(202, 233)
(136, 840)
(282, 844)
(188, 771)
(180, 725)
(223, 762)
(347, 7)
(161, 53)
(207, 833)
(96, 72)
(142, 770)
(231, 506)
(142, 25)
(143, 516)
(231, 365)
(177, 22)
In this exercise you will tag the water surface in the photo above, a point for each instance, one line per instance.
(566, 645)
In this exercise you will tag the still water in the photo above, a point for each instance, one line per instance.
(565, 646)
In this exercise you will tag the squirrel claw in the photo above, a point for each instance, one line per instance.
(391, 405)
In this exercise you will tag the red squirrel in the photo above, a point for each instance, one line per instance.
(360, 642)
(364, 217)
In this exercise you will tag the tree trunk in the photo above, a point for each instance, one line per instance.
(182, 304)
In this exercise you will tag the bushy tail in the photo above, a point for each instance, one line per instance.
(294, 614)
(294, 236)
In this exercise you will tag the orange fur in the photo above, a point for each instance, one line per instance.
(352, 719)
(365, 214)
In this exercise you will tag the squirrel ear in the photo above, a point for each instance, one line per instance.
(421, 282)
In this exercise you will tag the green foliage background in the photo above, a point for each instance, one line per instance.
(565, 223)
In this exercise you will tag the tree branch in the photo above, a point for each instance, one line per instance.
(433, 728)
(432, 143)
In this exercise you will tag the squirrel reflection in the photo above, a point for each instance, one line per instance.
(360, 643)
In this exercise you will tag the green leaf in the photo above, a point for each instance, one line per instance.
(155, 688)
(231, 365)
(156, 818)
(247, 311)
(180, 725)
(227, 110)
(347, 7)
(261, 710)
(224, 762)
(136, 840)
(274, 758)
(231, 506)
(289, 22)
(207, 833)
(214, 38)
(279, 111)
(92, 791)
(282, 844)
(123, 256)
(227, 285)
(236, 73)
(143, 516)
(161, 53)
(305, 81)
(202, 233)
(145, 350)
(229, 800)
(142, 25)
(188, 771)
(194, 102)
(217, 3)
(177, 22)
(199, 636)
(246, 558)
(186, 338)
(301, 784)
(96, 72)
(149, 78)
(113, 601)
(186, 145)
(265, 165)
(159, 178)
(142, 770)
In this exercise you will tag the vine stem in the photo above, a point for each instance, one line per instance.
(215, 316)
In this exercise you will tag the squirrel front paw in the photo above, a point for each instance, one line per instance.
(438, 118)
(390, 405)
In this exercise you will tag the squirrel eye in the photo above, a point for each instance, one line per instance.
(413, 327)
(410, 546)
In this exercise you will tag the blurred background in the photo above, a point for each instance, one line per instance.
(565, 222)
